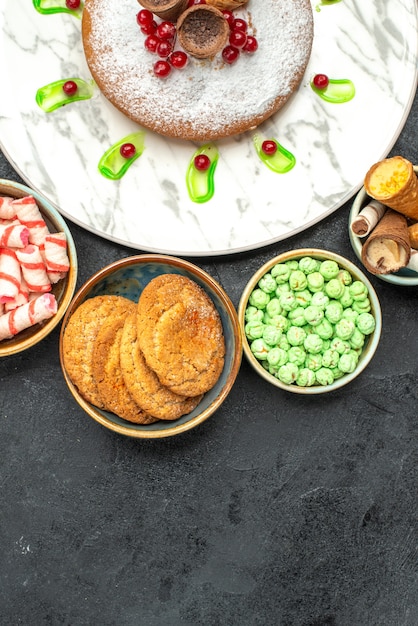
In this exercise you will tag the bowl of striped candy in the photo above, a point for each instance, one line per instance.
(38, 267)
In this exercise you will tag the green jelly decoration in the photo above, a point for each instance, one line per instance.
(113, 165)
(325, 3)
(48, 7)
(53, 96)
(338, 91)
(201, 184)
(281, 161)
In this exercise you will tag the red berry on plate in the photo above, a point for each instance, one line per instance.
(269, 147)
(149, 28)
(321, 81)
(238, 38)
(162, 69)
(202, 162)
(240, 24)
(70, 87)
(164, 49)
(127, 150)
(251, 45)
(151, 43)
(178, 59)
(229, 16)
(230, 54)
(144, 17)
(166, 30)
(72, 4)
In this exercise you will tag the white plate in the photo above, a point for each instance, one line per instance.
(372, 43)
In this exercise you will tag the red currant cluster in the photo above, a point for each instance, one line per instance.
(239, 39)
(160, 40)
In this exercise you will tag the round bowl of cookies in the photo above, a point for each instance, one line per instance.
(383, 222)
(310, 321)
(150, 346)
(38, 267)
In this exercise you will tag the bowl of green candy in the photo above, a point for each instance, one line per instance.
(310, 321)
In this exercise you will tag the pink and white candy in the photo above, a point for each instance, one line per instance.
(37, 310)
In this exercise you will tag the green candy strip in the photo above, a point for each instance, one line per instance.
(48, 7)
(281, 161)
(53, 96)
(113, 165)
(201, 184)
(338, 91)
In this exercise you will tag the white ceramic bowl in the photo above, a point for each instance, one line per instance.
(405, 277)
(63, 290)
(371, 342)
(127, 277)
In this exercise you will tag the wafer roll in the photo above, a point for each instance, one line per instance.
(367, 219)
(413, 261)
(413, 236)
(387, 249)
(394, 183)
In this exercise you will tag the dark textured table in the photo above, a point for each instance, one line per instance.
(279, 510)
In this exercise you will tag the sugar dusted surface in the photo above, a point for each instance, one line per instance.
(208, 98)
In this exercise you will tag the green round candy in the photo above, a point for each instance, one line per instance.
(253, 314)
(313, 362)
(340, 345)
(306, 377)
(345, 277)
(320, 299)
(271, 335)
(273, 307)
(362, 306)
(313, 344)
(324, 329)
(334, 311)
(334, 288)
(344, 329)
(358, 290)
(267, 283)
(303, 297)
(313, 315)
(288, 301)
(260, 349)
(297, 317)
(254, 329)
(357, 339)
(324, 376)
(297, 280)
(297, 355)
(292, 264)
(296, 335)
(315, 281)
(288, 373)
(280, 273)
(284, 343)
(346, 299)
(279, 321)
(347, 363)
(329, 269)
(337, 373)
(366, 323)
(330, 358)
(350, 314)
(259, 298)
(308, 265)
(277, 357)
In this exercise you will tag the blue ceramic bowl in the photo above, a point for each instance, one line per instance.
(63, 290)
(127, 277)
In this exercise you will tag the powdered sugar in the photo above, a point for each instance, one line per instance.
(207, 99)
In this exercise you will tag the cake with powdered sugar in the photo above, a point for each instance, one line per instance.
(208, 98)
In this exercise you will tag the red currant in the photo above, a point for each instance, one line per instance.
(251, 45)
(202, 162)
(229, 16)
(166, 30)
(162, 69)
(321, 81)
(164, 49)
(144, 17)
(127, 150)
(149, 28)
(230, 54)
(70, 87)
(178, 59)
(269, 147)
(151, 43)
(239, 24)
(72, 4)
(238, 38)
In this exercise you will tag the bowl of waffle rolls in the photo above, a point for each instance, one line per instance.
(38, 267)
(383, 221)
(150, 346)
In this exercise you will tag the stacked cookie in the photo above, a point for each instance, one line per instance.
(149, 360)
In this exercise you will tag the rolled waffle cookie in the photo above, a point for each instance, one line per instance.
(387, 249)
(413, 236)
(394, 183)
